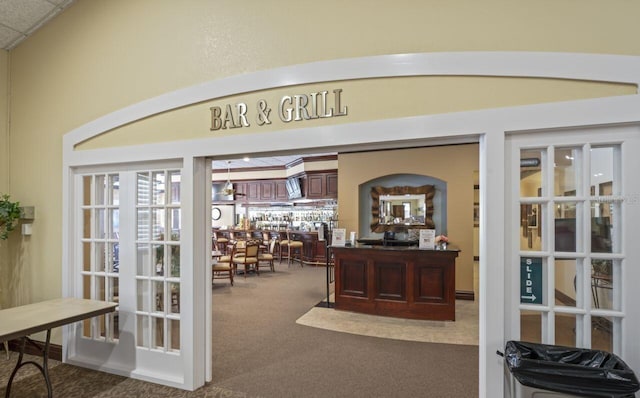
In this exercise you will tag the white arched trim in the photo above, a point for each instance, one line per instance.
(486, 126)
(591, 67)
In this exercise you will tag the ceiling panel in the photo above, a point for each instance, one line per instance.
(272, 161)
(20, 18)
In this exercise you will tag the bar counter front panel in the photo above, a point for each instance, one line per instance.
(395, 281)
(313, 249)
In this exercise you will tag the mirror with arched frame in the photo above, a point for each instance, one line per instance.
(397, 209)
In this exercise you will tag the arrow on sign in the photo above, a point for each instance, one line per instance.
(532, 297)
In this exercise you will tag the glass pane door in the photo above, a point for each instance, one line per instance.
(573, 216)
(158, 260)
(127, 249)
(100, 219)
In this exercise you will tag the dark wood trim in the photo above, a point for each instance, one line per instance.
(465, 295)
(320, 158)
(564, 299)
(306, 173)
(55, 350)
(428, 191)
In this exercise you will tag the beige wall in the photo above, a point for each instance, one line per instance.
(4, 96)
(454, 164)
(366, 99)
(4, 163)
(99, 56)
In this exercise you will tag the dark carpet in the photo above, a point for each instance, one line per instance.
(259, 351)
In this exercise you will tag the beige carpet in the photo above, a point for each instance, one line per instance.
(464, 330)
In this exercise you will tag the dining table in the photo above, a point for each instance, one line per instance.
(22, 321)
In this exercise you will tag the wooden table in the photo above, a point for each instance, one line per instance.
(22, 321)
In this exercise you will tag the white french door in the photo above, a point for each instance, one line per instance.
(574, 257)
(127, 249)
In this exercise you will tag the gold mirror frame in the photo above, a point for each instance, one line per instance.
(428, 190)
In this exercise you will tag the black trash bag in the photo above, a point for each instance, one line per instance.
(576, 371)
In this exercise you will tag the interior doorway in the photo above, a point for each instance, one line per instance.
(222, 293)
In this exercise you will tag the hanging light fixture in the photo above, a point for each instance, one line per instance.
(228, 187)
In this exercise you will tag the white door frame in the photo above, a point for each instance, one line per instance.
(628, 138)
(164, 366)
(487, 126)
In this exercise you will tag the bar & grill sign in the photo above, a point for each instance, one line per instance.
(290, 108)
(530, 280)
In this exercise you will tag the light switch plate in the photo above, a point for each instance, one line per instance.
(26, 229)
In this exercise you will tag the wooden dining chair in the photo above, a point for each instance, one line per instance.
(237, 247)
(220, 242)
(234, 249)
(266, 258)
(248, 258)
(222, 270)
(264, 245)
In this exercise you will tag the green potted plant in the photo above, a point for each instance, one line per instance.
(9, 216)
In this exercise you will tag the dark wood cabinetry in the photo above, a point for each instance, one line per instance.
(281, 190)
(397, 282)
(253, 191)
(332, 185)
(241, 188)
(263, 190)
(315, 185)
(267, 190)
(321, 185)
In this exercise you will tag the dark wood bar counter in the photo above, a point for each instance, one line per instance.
(313, 249)
(403, 282)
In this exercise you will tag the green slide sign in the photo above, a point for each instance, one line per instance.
(530, 280)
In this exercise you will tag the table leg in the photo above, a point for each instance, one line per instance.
(44, 369)
(6, 348)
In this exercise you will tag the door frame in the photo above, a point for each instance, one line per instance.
(488, 127)
(628, 137)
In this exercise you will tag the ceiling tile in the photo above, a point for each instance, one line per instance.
(7, 36)
(22, 15)
(272, 161)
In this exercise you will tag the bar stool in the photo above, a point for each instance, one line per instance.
(283, 245)
(293, 247)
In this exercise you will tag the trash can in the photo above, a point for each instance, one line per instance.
(550, 371)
